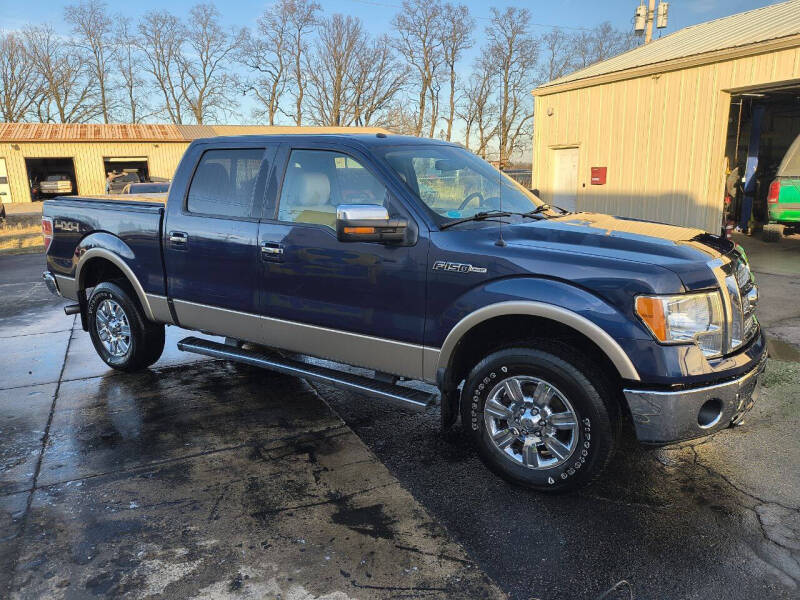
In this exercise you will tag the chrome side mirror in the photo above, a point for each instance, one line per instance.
(368, 223)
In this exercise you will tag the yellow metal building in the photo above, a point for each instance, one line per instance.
(651, 133)
(88, 152)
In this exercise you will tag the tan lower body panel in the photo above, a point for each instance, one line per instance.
(398, 358)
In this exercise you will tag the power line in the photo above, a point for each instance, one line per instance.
(399, 6)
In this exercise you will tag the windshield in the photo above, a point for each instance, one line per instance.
(454, 183)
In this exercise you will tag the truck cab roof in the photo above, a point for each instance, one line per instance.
(364, 140)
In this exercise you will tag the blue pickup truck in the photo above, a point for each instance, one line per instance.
(394, 259)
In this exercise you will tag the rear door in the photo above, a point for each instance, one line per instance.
(211, 240)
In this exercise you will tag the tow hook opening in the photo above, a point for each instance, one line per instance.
(710, 413)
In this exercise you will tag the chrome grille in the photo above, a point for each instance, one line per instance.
(743, 293)
(740, 294)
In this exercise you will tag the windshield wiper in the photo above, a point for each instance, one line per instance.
(479, 216)
(489, 214)
(538, 210)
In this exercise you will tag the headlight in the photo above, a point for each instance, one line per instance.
(685, 318)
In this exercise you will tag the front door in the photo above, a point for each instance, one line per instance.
(211, 241)
(565, 178)
(359, 302)
(5, 188)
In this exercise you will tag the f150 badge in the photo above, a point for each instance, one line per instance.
(443, 265)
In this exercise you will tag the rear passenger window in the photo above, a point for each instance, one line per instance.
(226, 183)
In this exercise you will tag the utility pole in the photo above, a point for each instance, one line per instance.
(645, 16)
(651, 13)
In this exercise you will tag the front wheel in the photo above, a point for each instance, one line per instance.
(120, 332)
(539, 417)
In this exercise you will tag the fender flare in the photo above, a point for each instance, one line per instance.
(126, 270)
(599, 336)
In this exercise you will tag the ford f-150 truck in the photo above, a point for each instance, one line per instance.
(394, 258)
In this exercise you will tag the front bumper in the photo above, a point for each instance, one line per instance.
(664, 417)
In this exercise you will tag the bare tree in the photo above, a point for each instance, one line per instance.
(379, 78)
(267, 53)
(93, 37)
(69, 96)
(400, 118)
(206, 84)
(479, 112)
(303, 17)
(603, 42)
(332, 69)
(433, 105)
(160, 41)
(511, 53)
(456, 32)
(19, 83)
(419, 40)
(130, 67)
(557, 56)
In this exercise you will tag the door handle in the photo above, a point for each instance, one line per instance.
(178, 239)
(271, 251)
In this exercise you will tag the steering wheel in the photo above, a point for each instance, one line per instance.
(492, 202)
(470, 197)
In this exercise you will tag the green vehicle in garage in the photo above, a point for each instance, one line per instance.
(783, 199)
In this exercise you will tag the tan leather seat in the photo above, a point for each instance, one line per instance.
(310, 199)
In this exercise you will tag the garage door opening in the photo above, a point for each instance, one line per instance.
(762, 126)
(50, 177)
(122, 170)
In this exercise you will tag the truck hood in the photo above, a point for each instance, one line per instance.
(683, 250)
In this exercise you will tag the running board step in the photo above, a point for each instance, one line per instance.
(403, 396)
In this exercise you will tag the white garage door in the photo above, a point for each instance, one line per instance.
(565, 178)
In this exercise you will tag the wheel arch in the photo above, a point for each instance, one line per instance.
(514, 316)
(100, 260)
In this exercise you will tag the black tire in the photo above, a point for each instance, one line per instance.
(146, 340)
(591, 441)
(772, 233)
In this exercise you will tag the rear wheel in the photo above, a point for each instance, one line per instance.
(539, 417)
(772, 233)
(120, 332)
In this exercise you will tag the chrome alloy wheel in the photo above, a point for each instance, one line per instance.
(531, 422)
(113, 327)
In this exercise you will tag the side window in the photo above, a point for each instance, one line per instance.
(226, 181)
(317, 181)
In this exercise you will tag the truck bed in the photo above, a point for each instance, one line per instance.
(115, 201)
(131, 226)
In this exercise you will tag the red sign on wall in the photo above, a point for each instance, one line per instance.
(599, 175)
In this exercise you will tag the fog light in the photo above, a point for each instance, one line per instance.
(710, 413)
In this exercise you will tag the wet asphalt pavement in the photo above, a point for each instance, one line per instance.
(200, 479)
(194, 479)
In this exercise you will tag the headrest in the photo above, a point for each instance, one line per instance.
(313, 189)
(212, 178)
